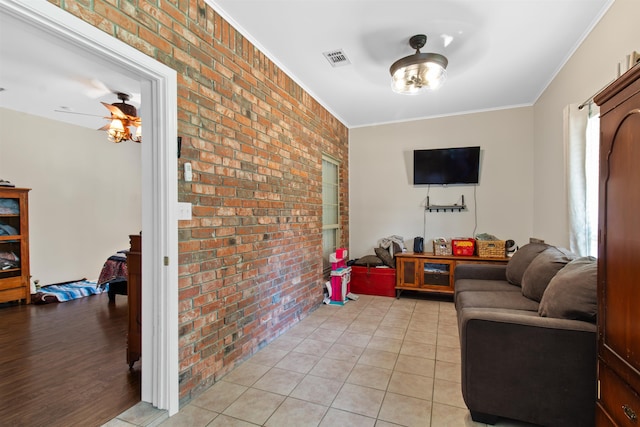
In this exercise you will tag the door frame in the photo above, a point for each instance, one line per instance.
(158, 184)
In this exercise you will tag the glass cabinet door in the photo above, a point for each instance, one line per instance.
(436, 274)
(10, 237)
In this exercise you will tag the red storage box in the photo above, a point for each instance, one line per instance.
(463, 247)
(373, 281)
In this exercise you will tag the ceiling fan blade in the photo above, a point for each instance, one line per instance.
(105, 127)
(95, 88)
(115, 111)
(75, 112)
(135, 121)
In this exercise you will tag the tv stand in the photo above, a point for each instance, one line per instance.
(426, 272)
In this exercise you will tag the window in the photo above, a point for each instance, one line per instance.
(582, 144)
(330, 209)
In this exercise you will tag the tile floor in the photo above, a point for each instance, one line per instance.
(377, 361)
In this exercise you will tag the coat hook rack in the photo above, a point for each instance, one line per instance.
(445, 208)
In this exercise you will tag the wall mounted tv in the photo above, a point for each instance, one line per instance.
(445, 166)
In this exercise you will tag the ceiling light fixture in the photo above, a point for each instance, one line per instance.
(123, 116)
(418, 72)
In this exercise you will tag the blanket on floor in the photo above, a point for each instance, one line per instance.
(62, 292)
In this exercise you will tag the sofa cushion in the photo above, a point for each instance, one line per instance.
(572, 293)
(481, 272)
(496, 299)
(487, 285)
(542, 269)
(521, 260)
(484, 285)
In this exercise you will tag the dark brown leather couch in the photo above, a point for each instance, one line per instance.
(528, 338)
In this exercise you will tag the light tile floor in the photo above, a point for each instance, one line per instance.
(377, 361)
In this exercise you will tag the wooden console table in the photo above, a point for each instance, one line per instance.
(431, 273)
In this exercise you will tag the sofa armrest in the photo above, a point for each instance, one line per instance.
(536, 369)
(480, 271)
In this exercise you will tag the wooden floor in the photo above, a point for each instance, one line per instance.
(65, 364)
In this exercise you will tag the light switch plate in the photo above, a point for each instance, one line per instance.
(184, 211)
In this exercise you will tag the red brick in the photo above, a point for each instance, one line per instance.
(255, 140)
(155, 40)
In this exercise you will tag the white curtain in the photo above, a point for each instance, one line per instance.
(581, 143)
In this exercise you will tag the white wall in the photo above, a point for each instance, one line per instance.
(384, 201)
(85, 198)
(591, 67)
(522, 190)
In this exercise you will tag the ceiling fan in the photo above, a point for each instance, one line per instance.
(123, 116)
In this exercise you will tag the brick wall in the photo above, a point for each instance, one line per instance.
(251, 258)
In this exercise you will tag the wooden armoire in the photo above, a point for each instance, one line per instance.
(14, 244)
(619, 253)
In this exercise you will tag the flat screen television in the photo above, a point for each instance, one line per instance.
(445, 166)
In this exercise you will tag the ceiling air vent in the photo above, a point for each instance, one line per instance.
(337, 58)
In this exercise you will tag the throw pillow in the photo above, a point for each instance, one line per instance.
(386, 257)
(572, 293)
(397, 249)
(369, 261)
(542, 269)
(521, 260)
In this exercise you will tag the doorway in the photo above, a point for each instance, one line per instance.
(159, 184)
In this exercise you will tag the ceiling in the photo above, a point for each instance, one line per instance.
(502, 54)
(45, 76)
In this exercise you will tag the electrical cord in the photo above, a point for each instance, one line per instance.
(475, 212)
(424, 213)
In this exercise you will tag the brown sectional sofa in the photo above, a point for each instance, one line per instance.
(528, 337)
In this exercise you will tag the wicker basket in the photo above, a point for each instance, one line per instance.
(441, 248)
(491, 248)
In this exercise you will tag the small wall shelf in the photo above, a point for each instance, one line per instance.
(444, 208)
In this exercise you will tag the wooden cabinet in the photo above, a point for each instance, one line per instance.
(432, 273)
(134, 300)
(14, 245)
(618, 402)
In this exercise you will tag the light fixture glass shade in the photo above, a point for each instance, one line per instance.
(137, 136)
(417, 73)
(116, 132)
